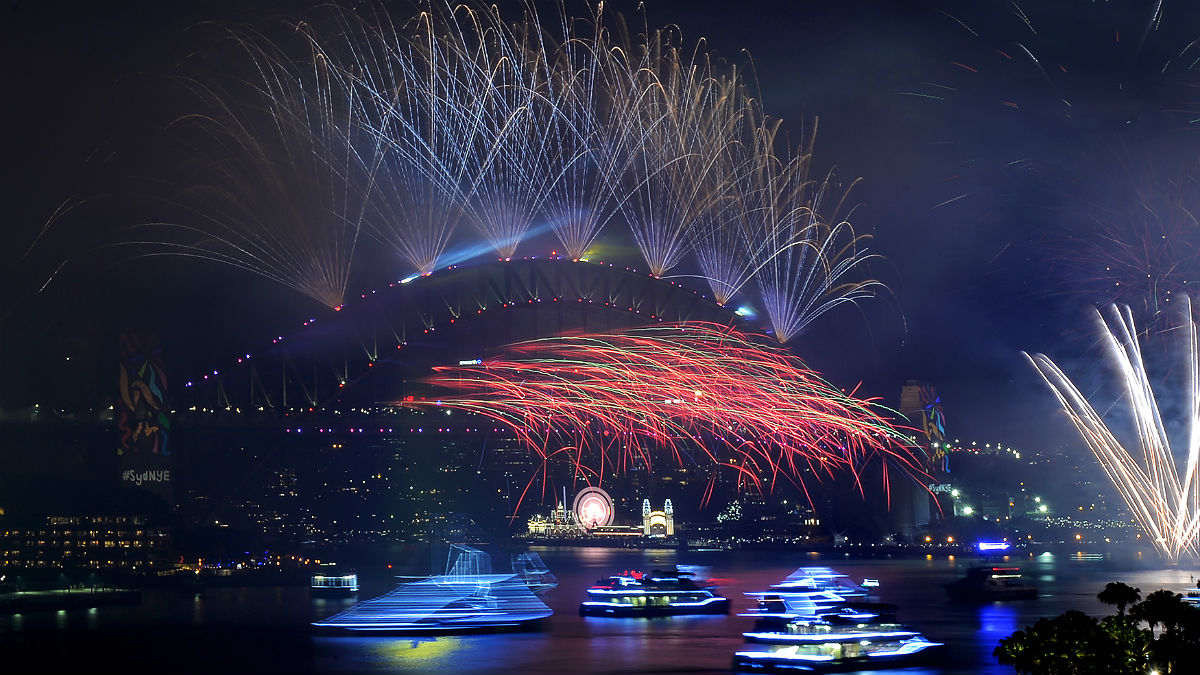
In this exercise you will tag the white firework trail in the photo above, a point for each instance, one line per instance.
(409, 131)
(686, 114)
(284, 189)
(591, 135)
(812, 260)
(1163, 495)
(425, 98)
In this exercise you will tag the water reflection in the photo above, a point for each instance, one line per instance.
(416, 653)
(997, 621)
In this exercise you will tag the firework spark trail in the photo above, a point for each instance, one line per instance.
(593, 134)
(811, 257)
(426, 86)
(286, 193)
(686, 111)
(515, 160)
(1165, 502)
(728, 245)
(1136, 241)
(621, 398)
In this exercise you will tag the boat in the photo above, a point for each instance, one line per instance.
(991, 582)
(825, 579)
(322, 585)
(534, 571)
(816, 592)
(657, 593)
(1192, 595)
(467, 598)
(833, 644)
(775, 609)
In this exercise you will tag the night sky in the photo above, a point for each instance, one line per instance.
(1009, 153)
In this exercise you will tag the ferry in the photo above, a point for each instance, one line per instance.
(991, 582)
(773, 610)
(657, 593)
(831, 645)
(333, 585)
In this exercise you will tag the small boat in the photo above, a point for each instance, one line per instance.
(530, 567)
(835, 644)
(658, 593)
(333, 585)
(775, 609)
(1192, 595)
(991, 582)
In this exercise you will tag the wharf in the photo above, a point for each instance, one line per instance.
(20, 602)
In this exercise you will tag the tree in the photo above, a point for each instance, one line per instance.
(1179, 641)
(1072, 643)
(1119, 594)
(1132, 645)
(1160, 607)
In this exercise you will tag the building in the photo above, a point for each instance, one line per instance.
(128, 543)
(658, 524)
(591, 520)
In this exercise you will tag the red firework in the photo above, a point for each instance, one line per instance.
(695, 392)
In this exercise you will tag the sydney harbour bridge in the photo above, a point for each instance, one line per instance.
(378, 347)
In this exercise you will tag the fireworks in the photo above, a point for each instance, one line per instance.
(809, 253)
(1135, 243)
(282, 188)
(694, 393)
(1164, 496)
(686, 112)
(461, 119)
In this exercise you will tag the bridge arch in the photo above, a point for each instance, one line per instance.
(382, 342)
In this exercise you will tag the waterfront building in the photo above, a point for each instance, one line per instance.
(127, 542)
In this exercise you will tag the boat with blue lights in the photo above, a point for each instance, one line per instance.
(467, 598)
(818, 620)
(656, 593)
(833, 644)
(809, 578)
(816, 592)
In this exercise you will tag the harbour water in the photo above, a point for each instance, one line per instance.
(266, 629)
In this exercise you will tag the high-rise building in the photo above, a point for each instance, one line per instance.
(921, 404)
(142, 416)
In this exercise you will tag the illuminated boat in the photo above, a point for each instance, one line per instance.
(658, 593)
(774, 609)
(813, 593)
(991, 582)
(333, 585)
(825, 579)
(835, 644)
(467, 598)
(1192, 595)
(534, 572)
